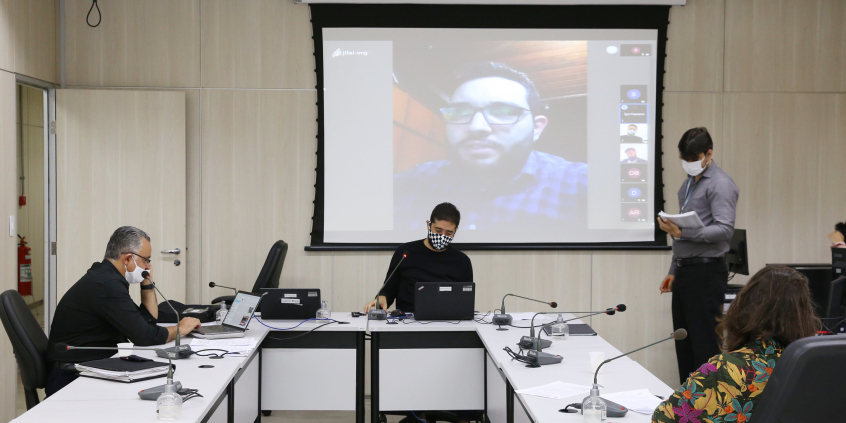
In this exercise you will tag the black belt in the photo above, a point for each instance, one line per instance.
(699, 260)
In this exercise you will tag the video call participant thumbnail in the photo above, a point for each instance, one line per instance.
(630, 136)
(431, 259)
(631, 157)
(493, 118)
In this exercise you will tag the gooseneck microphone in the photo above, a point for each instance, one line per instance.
(376, 313)
(532, 343)
(176, 351)
(505, 319)
(214, 285)
(678, 335)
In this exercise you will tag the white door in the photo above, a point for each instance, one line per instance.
(120, 160)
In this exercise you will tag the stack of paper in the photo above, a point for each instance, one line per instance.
(241, 347)
(556, 390)
(689, 220)
(640, 401)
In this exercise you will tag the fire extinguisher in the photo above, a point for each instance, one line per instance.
(24, 268)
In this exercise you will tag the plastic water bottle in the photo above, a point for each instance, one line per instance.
(323, 312)
(220, 315)
(560, 330)
(593, 407)
(169, 404)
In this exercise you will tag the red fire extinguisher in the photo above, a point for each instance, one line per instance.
(24, 268)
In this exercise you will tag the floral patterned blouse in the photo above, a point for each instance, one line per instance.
(725, 389)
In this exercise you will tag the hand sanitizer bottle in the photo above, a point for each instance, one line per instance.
(169, 404)
(221, 314)
(560, 330)
(323, 312)
(593, 407)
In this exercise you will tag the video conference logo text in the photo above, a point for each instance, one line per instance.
(341, 53)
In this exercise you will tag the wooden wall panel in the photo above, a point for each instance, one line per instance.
(193, 191)
(783, 151)
(695, 47)
(36, 35)
(258, 187)
(257, 44)
(151, 43)
(786, 45)
(683, 111)
(8, 245)
(633, 278)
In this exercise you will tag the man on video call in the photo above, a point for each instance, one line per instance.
(431, 259)
(631, 157)
(630, 136)
(493, 117)
(698, 274)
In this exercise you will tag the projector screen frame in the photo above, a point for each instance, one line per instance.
(507, 17)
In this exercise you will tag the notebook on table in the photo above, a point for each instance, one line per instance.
(578, 329)
(118, 370)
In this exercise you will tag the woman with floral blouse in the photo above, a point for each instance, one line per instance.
(771, 311)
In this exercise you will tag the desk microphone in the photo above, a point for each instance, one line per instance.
(532, 343)
(376, 313)
(505, 319)
(214, 285)
(678, 335)
(176, 351)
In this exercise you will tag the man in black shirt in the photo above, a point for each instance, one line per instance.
(429, 260)
(97, 310)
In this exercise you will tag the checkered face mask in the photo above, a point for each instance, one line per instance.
(438, 241)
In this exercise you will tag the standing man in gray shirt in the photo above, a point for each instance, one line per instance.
(698, 274)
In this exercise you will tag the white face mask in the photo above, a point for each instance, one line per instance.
(631, 132)
(693, 168)
(135, 275)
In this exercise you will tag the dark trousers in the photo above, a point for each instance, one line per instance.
(58, 378)
(698, 293)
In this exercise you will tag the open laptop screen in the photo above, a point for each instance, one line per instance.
(242, 309)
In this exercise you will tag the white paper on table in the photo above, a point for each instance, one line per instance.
(528, 316)
(556, 390)
(640, 401)
(238, 346)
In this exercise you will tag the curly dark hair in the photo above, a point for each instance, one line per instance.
(775, 303)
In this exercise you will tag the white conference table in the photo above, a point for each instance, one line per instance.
(230, 392)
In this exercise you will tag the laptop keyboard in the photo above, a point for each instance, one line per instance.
(216, 329)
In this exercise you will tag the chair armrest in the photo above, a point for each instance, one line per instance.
(226, 299)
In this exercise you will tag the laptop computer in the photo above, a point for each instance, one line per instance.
(235, 324)
(289, 304)
(444, 300)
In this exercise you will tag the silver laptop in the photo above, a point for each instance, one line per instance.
(235, 324)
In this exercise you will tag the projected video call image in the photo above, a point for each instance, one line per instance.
(634, 133)
(633, 153)
(634, 172)
(632, 212)
(502, 131)
(634, 193)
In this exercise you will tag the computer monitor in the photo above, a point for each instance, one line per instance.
(836, 306)
(820, 276)
(736, 258)
(838, 261)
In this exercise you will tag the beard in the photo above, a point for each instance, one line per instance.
(488, 160)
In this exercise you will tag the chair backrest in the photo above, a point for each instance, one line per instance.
(806, 384)
(28, 339)
(272, 269)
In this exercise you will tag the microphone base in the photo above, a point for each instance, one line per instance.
(542, 358)
(377, 314)
(530, 343)
(175, 352)
(502, 320)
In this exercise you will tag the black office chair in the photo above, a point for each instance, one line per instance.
(270, 272)
(806, 383)
(28, 342)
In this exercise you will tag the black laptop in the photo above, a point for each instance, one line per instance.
(444, 300)
(289, 303)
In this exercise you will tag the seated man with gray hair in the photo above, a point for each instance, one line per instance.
(97, 310)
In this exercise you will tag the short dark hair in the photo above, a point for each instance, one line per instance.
(694, 142)
(631, 149)
(501, 70)
(841, 227)
(447, 212)
(775, 303)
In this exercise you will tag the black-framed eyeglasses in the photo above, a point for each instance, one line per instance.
(146, 259)
(500, 114)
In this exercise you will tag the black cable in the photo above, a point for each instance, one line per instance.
(212, 354)
(99, 14)
(482, 319)
(519, 357)
(300, 335)
(426, 322)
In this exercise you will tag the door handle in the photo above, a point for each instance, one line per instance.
(173, 251)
